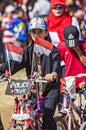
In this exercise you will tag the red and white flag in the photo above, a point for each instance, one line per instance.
(14, 52)
(42, 46)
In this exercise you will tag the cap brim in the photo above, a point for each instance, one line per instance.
(37, 28)
(71, 43)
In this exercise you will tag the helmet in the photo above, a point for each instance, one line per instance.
(37, 23)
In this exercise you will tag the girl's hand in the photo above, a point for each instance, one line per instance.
(51, 77)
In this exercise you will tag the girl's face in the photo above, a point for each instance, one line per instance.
(58, 10)
(38, 32)
(10, 15)
(20, 14)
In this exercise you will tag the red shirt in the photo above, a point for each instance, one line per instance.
(72, 62)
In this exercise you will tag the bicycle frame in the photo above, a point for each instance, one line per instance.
(23, 114)
(23, 108)
(70, 116)
(69, 106)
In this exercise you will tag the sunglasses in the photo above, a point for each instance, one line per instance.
(58, 7)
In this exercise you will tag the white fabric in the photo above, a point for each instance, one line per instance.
(14, 56)
(41, 7)
(70, 86)
(54, 37)
(76, 24)
(56, 41)
(41, 49)
(9, 8)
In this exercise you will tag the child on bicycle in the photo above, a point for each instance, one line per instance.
(73, 52)
(50, 66)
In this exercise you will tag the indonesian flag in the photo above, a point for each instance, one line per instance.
(42, 46)
(14, 52)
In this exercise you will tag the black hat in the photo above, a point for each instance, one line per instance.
(71, 36)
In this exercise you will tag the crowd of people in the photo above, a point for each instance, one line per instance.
(73, 12)
(56, 35)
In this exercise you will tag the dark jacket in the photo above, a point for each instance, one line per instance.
(49, 64)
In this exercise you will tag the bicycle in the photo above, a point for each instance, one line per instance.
(83, 126)
(68, 107)
(24, 117)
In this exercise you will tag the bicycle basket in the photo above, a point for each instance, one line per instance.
(20, 87)
(70, 86)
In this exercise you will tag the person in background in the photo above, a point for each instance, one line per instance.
(15, 31)
(73, 52)
(30, 6)
(8, 17)
(79, 3)
(9, 10)
(59, 19)
(50, 66)
(3, 4)
(18, 28)
(19, 12)
(76, 9)
(84, 21)
(24, 6)
(40, 10)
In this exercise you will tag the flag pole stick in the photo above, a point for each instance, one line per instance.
(32, 67)
(8, 58)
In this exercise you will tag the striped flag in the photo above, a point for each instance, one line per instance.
(42, 46)
(14, 52)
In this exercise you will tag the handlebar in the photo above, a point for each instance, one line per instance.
(6, 77)
(38, 80)
(3, 78)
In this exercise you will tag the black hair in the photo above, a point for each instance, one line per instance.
(18, 9)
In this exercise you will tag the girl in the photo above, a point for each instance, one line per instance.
(50, 66)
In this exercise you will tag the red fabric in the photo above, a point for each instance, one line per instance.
(13, 48)
(54, 2)
(14, 52)
(57, 24)
(72, 62)
(43, 43)
(19, 1)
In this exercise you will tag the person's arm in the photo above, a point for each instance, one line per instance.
(56, 68)
(58, 54)
(54, 56)
(14, 66)
(80, 55)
